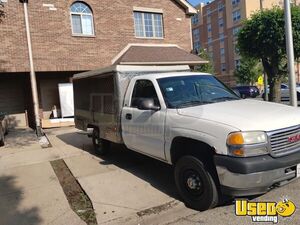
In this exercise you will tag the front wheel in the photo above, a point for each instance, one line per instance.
(195, 184)
(101, 146)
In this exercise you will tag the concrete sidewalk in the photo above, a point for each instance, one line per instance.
(29, 189)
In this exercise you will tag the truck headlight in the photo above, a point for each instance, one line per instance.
(244, 144)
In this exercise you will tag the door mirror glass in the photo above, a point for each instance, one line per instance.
(148, 104)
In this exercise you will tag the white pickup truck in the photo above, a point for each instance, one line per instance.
(218, 143)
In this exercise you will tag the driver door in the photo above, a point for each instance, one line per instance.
(143, 130)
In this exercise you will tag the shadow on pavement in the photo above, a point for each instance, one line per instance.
(156, 173)
(10, 200)
(20, 138)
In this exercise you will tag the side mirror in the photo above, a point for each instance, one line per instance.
(148, 104)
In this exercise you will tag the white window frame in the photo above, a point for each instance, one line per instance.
(154, 27)
(81, 15)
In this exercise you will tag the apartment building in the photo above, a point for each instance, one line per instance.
(215, 29)
(73, 36)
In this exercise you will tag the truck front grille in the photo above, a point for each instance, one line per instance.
(284, 142)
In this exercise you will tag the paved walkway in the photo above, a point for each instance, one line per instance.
(29, 190)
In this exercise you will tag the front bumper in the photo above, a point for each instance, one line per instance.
(255, 175)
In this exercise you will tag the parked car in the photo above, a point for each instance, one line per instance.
(285, 92)
(3, 127)
(218, 143)
(248, 91)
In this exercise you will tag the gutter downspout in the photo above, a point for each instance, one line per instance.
(32, 73)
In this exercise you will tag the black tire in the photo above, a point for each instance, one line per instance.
(195, 184)
(243, 96)
(101, 146)
(1, 140)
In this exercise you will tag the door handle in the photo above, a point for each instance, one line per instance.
(128, 116)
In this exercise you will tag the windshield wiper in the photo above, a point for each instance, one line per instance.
(193, 103)
(225, 99)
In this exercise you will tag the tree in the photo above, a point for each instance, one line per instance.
(208, 67)
(2, 13)
(248, 71)
(263, 37)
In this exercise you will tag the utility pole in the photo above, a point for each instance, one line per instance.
(32, 72)
(264, 72)
(290, 53)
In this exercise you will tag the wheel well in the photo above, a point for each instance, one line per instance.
(182, 146)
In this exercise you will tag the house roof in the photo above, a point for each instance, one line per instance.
(141, 54)
(187, 6)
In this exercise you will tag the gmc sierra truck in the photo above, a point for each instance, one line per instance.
(218, 143)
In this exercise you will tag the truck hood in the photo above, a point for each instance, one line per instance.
(246, 115)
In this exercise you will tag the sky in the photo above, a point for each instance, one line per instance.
(196, 2)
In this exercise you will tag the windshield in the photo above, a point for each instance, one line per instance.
(185, 91)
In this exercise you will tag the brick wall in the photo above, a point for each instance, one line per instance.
(54, 47)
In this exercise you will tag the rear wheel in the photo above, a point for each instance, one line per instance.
(195, 184)
(101, 146)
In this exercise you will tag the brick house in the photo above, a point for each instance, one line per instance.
(74, 36)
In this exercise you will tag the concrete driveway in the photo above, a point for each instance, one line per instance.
(128, 188)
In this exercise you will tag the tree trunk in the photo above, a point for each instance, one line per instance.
(275, 90)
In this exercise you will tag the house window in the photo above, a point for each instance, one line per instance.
(221, 37)
(236, 31)
(208, 11)
(195, 19)
(221, 22)
(235, 2)
(223, 67)
(236, 49)
(237, 64)
(82, 19)
(208, 28)
(220, 6)
(208, 19)
(236, 15)
(148, 25)
(197, 45)
(196, 34)
(222, 51)
(209, 40)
